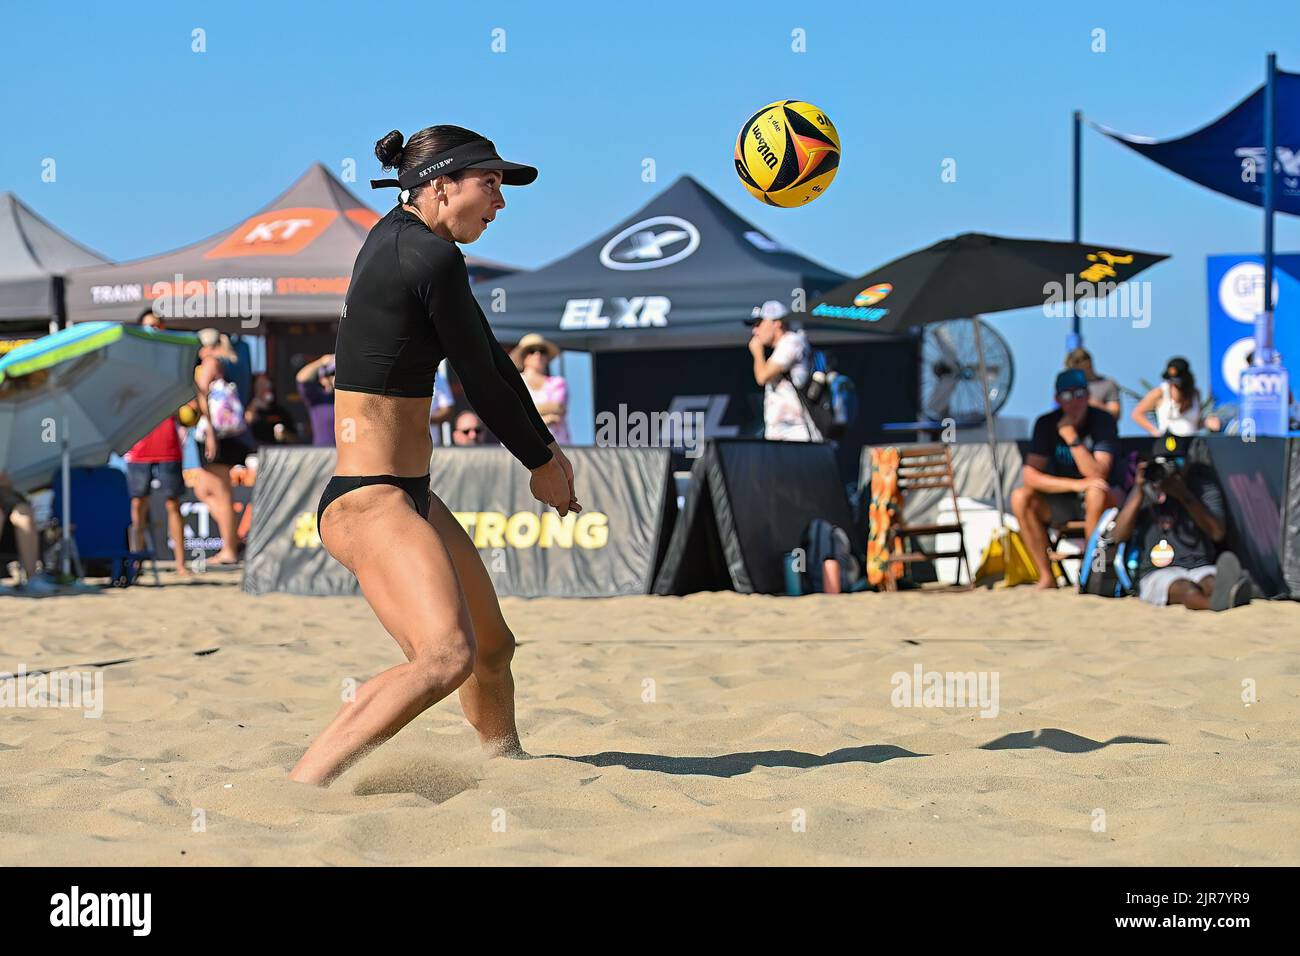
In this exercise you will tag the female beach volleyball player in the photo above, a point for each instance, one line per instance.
(408, 306)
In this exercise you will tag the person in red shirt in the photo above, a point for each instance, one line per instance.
(157, 456)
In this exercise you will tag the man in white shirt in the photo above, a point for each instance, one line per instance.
(788, 368)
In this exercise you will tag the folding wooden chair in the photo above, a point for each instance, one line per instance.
(930, 466)
(1060, 533)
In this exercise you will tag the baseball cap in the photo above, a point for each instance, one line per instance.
(771, 309)
(1177, 370)
(1170, 446)
(1070, 378)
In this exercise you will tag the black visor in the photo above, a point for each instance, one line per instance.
(480, 154)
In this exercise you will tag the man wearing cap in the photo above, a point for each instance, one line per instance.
(787, 369)
(1066, 472)
(316, 389)
(1176, 511)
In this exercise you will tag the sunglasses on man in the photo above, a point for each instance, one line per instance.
(1071, 394)
(469, 431)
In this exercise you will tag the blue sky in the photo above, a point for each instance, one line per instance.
(158, 146)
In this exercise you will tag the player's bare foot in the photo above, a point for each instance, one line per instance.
(509, 748)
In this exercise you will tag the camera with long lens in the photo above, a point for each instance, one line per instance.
(1160, 467)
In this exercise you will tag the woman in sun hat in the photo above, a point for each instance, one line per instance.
(533, 356)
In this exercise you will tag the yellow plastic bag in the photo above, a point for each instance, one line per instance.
(1006, 562)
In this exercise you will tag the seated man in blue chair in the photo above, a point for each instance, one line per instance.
(1067, 470)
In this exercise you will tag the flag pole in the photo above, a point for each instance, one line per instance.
(1075, 338)
(1264, 385)
(1270, 150)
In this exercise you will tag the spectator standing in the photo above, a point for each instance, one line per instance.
(225, 439)
(267, 418)
(533, 356)
(316, 388)
(781, 374)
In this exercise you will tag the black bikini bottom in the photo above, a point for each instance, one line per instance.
(416, 488)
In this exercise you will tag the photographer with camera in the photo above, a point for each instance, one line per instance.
(1177, 511)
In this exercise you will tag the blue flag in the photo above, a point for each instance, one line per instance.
(1228, 154)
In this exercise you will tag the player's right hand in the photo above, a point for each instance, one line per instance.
(550, 486)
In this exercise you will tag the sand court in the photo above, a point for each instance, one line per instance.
(715, 728)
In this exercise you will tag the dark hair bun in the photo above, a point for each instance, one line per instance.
(389, 150)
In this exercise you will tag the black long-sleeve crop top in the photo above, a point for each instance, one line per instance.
(408, 306)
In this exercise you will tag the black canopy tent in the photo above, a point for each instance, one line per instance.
(34, 255)
(683, 271)
(661, 298)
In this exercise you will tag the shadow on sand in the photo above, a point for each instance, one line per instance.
(731, 765)
(1062, 741)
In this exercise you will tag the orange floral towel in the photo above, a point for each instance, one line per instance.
(884, 512)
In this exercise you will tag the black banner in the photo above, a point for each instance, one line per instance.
(613, 547)
(748, 504)
(1291, 523)
(1174, 906)
(1253, 477)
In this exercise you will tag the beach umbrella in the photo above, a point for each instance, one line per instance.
(972, 275)
(975, 274)
(72, 398)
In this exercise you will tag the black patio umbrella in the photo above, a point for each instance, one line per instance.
(971, 275)
(974, 274)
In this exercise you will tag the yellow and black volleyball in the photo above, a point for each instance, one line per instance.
(787, 153)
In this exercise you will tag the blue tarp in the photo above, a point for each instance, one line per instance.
(1227, 155)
